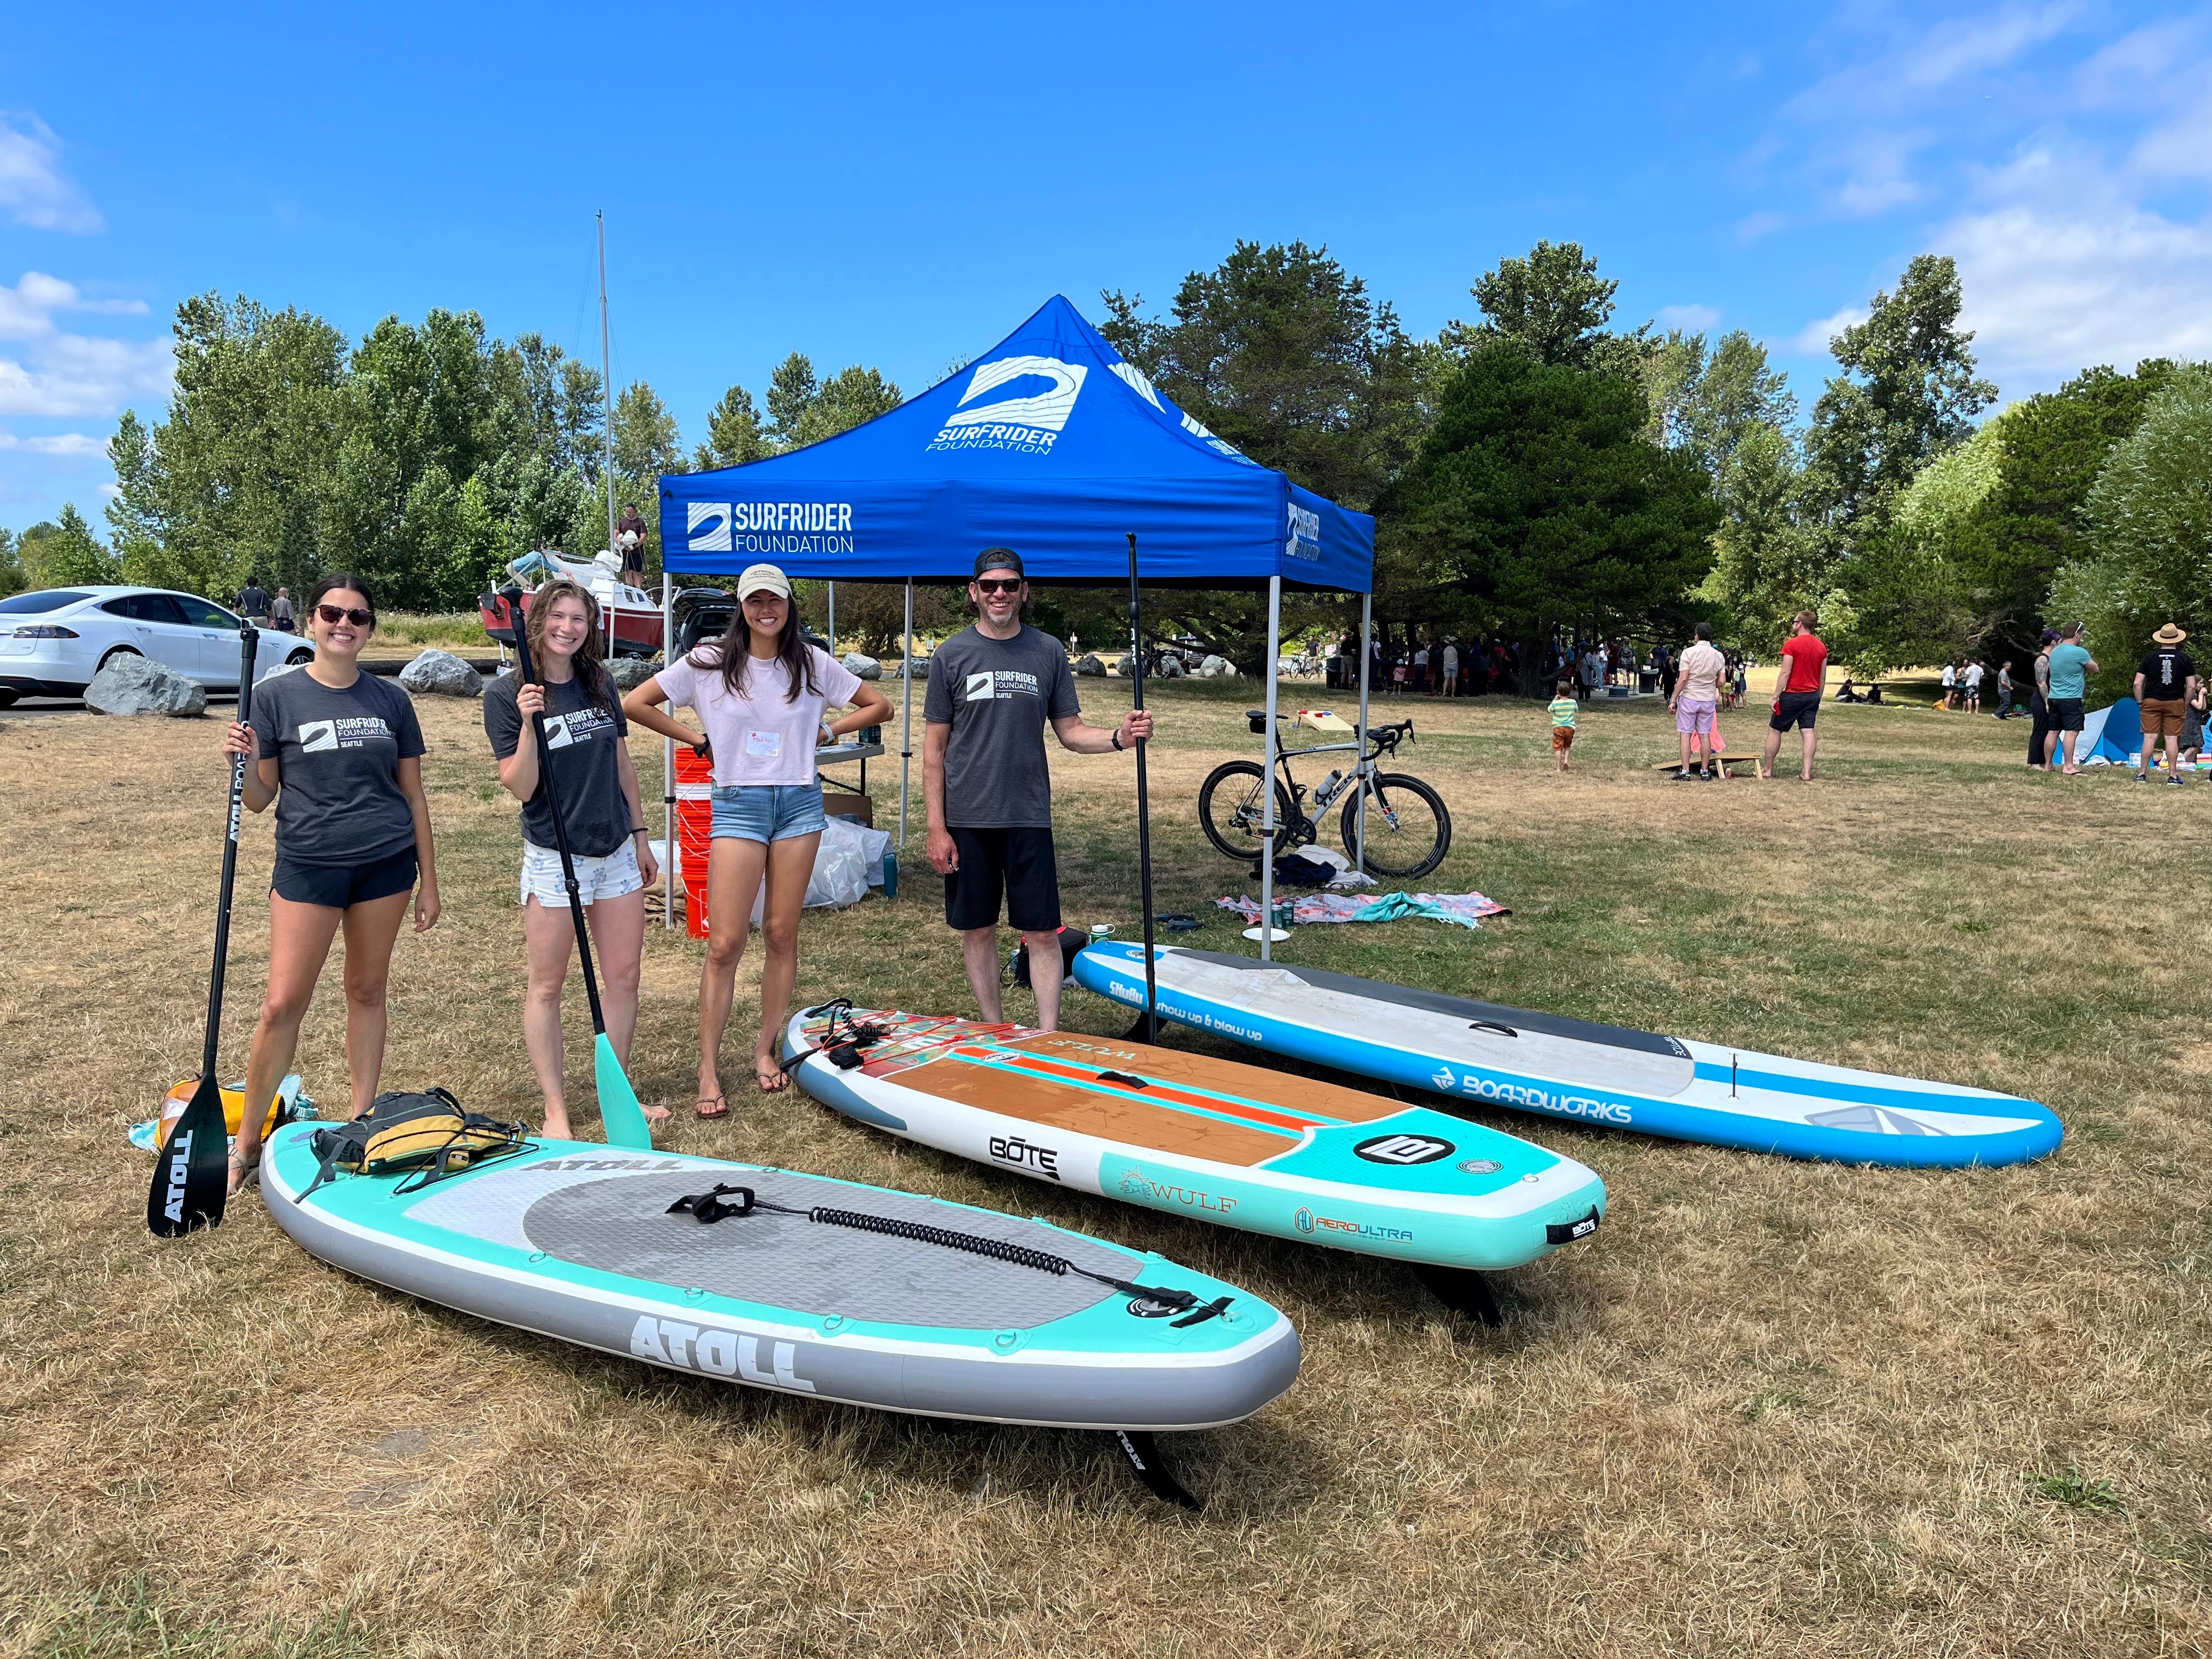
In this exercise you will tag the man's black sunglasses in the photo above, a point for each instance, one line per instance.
(334, 615)
(983, 586)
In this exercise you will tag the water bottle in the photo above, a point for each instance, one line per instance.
(1327, 793)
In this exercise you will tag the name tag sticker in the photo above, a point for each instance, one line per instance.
(764, 745)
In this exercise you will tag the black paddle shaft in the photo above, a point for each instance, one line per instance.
(248, 639)
(1144, 797)
(512, 596)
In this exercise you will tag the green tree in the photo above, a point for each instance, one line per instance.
(848, 399)
(67, 553)
(1537, 491)
(2149, 554)
(734, 433)
(1555, 306)
(791, 393)
(1907, 392)
(11, 565)
(1765, 568)
(1281, 353)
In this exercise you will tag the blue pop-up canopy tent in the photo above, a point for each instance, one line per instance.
(1050, 443)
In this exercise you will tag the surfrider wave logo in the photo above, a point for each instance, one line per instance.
(351, 732)
(318, 735)
(763, 527)
(1027, 420)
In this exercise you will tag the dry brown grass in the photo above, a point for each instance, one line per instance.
(1773, 1408)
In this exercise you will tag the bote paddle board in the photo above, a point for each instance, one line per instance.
(577, 1241)
(1195, 1136)
(1573, 1068)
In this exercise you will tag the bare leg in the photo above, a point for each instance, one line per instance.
(370, 930)
(299, 937)
(549, 938)
(618, 952)
(979, 950)
(790, 866)
(1811, 743)
(1045, 971)
(733, 875)
(2071, 739)
(1773, 752)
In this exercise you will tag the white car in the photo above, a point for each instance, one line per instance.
(53, 641)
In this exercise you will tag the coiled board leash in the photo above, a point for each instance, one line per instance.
(713, 1207)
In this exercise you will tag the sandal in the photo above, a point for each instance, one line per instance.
(769, 1078)
(245, 1172)
(712, 1106)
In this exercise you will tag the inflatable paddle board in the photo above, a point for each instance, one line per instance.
(1573, 1068)
(1198, 1136)
(930, 1307)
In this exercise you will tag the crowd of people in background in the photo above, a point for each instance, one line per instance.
(1444, 665)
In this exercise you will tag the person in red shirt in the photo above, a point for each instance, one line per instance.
(1797, 691)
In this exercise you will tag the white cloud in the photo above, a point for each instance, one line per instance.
(27, 310)
(70, 375)
(1691, 319)
(2063, 267)
(33, 189)
(76, 445)
(1812, 340)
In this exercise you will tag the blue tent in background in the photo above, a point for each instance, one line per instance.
(1050, 443)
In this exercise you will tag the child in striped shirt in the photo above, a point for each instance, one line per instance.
(1563, 721)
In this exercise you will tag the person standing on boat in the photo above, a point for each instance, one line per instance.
(993, 687)
(586, 739)
(759, 691)
(629, 542)
(340, 752)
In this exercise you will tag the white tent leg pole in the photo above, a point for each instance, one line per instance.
(1360, 768)
(672, 861)
(1267, 779)
(833, 619)
(906, 724)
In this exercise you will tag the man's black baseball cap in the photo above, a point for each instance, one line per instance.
(1000, 558)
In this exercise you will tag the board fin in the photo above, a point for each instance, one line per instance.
(1463, 1291)
(1143, 1452)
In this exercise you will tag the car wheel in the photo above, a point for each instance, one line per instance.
(8, 699)
(119, 651)
(302, 654)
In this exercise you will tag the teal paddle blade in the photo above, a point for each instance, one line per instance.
(619, 1111)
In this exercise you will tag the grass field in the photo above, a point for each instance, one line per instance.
(1771, 1408)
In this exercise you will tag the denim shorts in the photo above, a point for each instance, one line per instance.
(768, 811)
(611, 875)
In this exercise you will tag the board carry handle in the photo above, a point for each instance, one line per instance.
(1492, 1026)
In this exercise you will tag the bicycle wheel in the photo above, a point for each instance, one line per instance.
(1229, 810)
(1408, 831)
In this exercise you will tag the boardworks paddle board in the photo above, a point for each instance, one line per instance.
(1198, 1136)
(1572, 1068)
(577, 1241)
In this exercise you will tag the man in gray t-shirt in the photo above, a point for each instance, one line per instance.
(991, 689)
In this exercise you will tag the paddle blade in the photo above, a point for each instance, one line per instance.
(192, 1176)
(620, 1114)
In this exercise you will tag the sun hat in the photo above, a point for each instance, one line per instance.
(1000, 558)
(763, 579)
(2169, 635)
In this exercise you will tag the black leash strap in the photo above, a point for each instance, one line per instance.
(843, 1055)
(710, 1208)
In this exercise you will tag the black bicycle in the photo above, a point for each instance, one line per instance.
(1408, 830)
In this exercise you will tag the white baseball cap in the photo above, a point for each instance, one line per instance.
(763, 579)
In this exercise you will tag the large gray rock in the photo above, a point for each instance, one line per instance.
(630, 672)
(138, 685)
(1126, 666)
(1171, 665)
(918, 667)
(863, 667)
(441, 674)
(1089, 666)
(1216, 668)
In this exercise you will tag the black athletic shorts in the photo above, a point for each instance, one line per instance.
(1796, 708)
(2066, 714)
(1016, 863)
(342, 886)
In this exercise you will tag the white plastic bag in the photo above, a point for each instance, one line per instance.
(849, 860)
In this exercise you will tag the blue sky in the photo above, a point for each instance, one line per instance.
(899, 186)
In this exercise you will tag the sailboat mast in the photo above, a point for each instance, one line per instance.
(607, 381)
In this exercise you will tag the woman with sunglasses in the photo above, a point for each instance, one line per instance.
(585, 739)
(340, 754)
(760, 691)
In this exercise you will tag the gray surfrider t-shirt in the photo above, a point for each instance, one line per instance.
(584, 738)
(996, 694)
(337, 756)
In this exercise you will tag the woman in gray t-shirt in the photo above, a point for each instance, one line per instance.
(340, 753)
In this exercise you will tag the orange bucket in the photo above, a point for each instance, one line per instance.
(694, 826)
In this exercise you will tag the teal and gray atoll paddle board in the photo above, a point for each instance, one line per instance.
(576, 1241)
(1573, 1068)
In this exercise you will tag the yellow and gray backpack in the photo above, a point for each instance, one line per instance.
(429, 1132)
